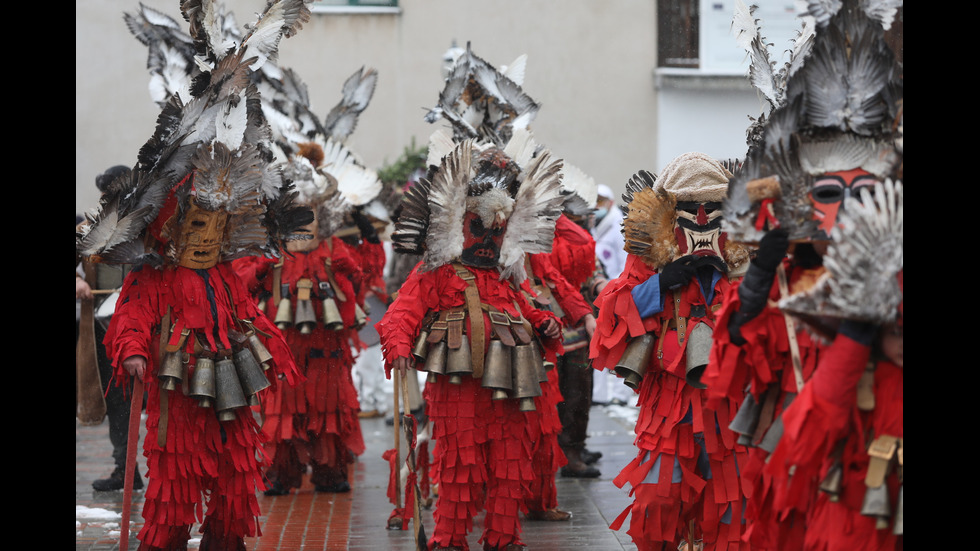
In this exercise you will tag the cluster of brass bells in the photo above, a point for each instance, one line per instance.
(304, 318)
(224, 381)
(511, 371)
(632, 366)
(746, 424)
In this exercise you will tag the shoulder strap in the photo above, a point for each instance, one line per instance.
(475, 311)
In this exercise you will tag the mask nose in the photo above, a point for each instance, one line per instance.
(702, 216)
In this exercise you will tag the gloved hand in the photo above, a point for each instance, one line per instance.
(753, 291)
(677, 273)
(772, 249)
(368, 233)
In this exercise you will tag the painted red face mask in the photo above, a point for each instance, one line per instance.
(698, 232)
(829, 191)
(481, 245)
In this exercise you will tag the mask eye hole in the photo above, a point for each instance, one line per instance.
(476, 227)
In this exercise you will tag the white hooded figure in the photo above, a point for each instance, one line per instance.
(611, 252)
(609, 243)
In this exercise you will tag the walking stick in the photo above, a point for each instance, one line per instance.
(420, 539)
(398, 453)
(135, 407)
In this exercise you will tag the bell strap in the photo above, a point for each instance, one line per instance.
(164, 393)
(880, 454)
(277, 282)
(333, 282)
(679, 320)
(794, 346)
(473, 306)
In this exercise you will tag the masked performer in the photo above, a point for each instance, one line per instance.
(801, 166)
(312, 296)
(844, 433)
(205, 192)
(462, 312)
(654, 327)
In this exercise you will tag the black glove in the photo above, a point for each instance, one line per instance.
(772, 249)
(677, 273)
(753, 292)
(368, 233)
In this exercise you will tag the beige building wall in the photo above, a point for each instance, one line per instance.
(590, 66)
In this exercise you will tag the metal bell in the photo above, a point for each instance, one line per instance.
(262, 353)
(833, 482)
(228, 389)
(697, 353)
(543, 364)
(360, 317)
(747, 416)
(497, 371)
(435, 360)
(421, 348)
(459, 362)
(284, 314)
(202, 381)
(526, 383)
(250, 373)
(876, 505)
(305, 317)
(633, 365)
(897, 528)
(331, 315)
(772, 436)
(171, 370)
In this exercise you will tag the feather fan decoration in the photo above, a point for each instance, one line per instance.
(863, 261)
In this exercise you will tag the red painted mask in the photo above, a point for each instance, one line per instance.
(829, 191)
(481, 245)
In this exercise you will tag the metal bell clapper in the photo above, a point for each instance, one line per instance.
(526, 383)
(228, 389)
(633, 365)
(697, 352)
(459, 362)
(203, 381)
(497, 370)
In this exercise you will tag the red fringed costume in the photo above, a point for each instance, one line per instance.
(483, 447)
(764, 365)
(314, 424)
(189, 453)
(573, 255)
(687, 466)
(846, 409)
(553, 292)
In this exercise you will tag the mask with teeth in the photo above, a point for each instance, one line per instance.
(698, 232)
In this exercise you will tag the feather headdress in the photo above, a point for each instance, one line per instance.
(832, 108)
(650, 207)
(482, 102)
(581, 192)
(520, 183)
(214, 146)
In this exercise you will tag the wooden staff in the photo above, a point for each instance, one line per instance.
(135, 407)
(420, 539)
(398, 453)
